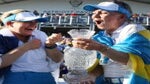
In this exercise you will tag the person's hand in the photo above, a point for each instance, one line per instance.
(87, 44)
(53, 39)
(87, 80)
(33, 44)
(66, 41)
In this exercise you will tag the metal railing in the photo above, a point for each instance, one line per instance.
(68, 20)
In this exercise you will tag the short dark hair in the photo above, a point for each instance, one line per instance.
(124, 5)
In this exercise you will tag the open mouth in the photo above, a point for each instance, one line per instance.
(98, 22)
(29, 29)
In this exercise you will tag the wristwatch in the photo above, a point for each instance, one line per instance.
(51, 47)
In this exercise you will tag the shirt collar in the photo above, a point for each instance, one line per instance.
(118, 30)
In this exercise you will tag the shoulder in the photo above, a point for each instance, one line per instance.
(6, 32)
(39, 33)
(133, 28)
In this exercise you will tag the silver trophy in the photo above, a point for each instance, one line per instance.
(78, 60)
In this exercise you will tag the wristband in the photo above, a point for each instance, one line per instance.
(51, 47)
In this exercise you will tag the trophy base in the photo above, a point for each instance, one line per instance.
(74, 76)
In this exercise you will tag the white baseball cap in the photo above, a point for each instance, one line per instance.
(108, 6)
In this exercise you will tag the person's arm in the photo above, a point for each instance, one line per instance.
(89, 44)
(51, 47)
(97, 71)
(113, 54)
(13, 55)
(92, 75)
(54, 54)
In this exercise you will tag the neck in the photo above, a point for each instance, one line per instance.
(111, 30)
(21, 37)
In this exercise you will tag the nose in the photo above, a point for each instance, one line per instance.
(96, 15)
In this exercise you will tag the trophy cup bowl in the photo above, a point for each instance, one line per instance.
(78, 60)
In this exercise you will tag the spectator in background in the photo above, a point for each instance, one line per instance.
(36, 12)
(26, 49)
(135, 17)
(126, 45)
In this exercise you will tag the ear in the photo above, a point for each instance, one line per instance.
(122, 16)
(9, 23)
